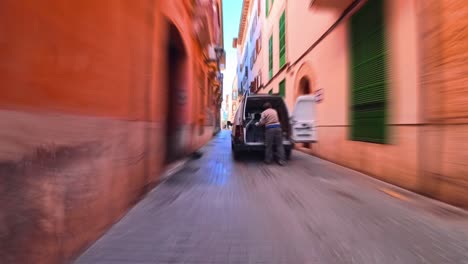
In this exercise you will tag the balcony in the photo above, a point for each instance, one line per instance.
(206, 22)
(329, 4)
(217, 56)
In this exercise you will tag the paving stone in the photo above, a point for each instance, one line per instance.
(218, 210)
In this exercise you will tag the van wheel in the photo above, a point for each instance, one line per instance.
(288, 154)
(235, 152)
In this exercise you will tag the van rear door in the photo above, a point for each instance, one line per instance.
(303, 120)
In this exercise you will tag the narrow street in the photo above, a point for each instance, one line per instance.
(217, 210)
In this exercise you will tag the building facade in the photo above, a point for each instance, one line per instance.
(249, 47)
(96, 99)
(390, 73)
(225, 110)
(234, 100)
(231, 101)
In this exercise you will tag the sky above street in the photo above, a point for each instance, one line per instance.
(231, 16)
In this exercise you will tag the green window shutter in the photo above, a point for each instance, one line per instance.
(282, 39)
(267, 7)
(282, 88)
(369, 79)
(270, 57)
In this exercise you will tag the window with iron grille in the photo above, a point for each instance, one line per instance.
(282, 40)
(369, 80)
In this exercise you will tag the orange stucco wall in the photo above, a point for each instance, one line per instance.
(83, 57)
(82, 117)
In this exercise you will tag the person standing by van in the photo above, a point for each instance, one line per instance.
(273, 134)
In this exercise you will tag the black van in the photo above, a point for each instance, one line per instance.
(248, 137)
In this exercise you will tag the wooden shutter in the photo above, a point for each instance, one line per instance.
(369, 73)
(282, 39)
(257, 48)
(282, 88)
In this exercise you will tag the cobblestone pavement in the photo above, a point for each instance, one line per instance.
(217, 210)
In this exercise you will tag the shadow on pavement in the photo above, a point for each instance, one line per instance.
(251, 156)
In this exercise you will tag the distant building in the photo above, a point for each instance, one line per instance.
(248, 44)
(234, 100)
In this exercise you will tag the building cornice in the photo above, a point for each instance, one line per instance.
(243, 21)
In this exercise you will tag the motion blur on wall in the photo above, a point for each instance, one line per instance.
(96, 98)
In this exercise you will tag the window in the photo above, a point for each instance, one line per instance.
(282, 88)
(271, 91)
(259, 7)
(246, 73)
(368, 74)
(282, 39)
(268, 6)
(252, 59)
(260, 41)
(257, 45)
(210, 95)
(259, 79)
(253, 28)
(270, 57)
(201, 99)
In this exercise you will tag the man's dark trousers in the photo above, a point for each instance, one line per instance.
(274, 136)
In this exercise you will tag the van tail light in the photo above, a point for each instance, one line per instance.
(239, 133)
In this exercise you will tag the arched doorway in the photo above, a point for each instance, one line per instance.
(304, 80)
(304, 86)
(304, 89)
(176, 67)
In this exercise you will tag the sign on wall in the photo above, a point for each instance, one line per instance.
(318, 95)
